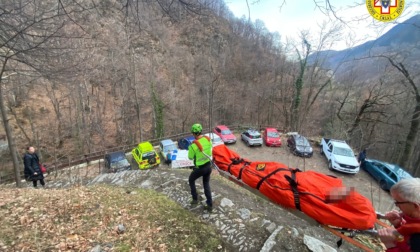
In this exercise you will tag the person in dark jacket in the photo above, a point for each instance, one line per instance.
(32, 168)
(168, 159)
(362, 156)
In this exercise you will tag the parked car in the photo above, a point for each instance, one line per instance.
(271, 137)
(145, 156)
(299, 145)
(225, 134)
(183, 143)
(166, 147)
(173, 156)
(339, 155)
(215, 139)
(386, 174)
(252, 137)
(116, 162)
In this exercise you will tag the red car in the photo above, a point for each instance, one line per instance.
(225, 134)
(271, 137)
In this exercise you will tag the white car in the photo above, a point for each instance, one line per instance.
(339, 155)
(215, 139)
(252, 137)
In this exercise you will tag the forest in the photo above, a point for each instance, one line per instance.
(81, 76)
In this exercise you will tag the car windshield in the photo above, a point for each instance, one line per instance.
(343, 152)
(273, 134)
(255, 136)
(302, 142)
(169, 148)
(116, 157)
(226, 132)
(216, 139)
(402, 174)
(120, 164)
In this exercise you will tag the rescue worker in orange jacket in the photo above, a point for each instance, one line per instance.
(406, 222)
(200, 151)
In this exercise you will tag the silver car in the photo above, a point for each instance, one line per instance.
(252, 137)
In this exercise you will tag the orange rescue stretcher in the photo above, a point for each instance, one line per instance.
(309, 195)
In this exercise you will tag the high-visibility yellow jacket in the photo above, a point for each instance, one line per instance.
(196, 150)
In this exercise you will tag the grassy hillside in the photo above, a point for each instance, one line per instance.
(79, 219)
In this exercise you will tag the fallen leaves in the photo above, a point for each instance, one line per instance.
(80, 218)
(371, 242)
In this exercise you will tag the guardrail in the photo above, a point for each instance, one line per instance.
(10, 178)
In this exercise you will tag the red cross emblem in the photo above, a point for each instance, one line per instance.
(385, 5)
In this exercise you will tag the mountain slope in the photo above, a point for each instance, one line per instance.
(402, 37)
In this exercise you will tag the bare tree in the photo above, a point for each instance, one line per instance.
(377, 96)
(415, 118)
(27, 28)
(297, 97)
(362, 108)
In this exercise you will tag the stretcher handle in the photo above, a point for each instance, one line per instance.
(380, 216)
(397, 235)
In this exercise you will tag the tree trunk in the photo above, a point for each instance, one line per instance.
(411, 136)
(9, 133)
(416, 171)
(298, 87)
(415, 118)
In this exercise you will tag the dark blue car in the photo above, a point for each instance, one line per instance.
(116, 162)
(183, 143)
(386, 174)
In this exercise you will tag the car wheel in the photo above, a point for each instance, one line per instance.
(247, 143)
(382, 184)
(322, 150)
(330, 165)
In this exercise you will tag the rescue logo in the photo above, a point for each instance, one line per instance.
(260, 167)
(385, 10)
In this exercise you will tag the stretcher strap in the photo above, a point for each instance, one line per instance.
(200, 147)
(291, 180)
(293, 185)
(242, 168)
(235, 161)
(269, 175)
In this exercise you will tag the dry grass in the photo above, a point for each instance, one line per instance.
(78, 219)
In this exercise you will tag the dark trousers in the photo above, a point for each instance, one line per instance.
(40, 181)
(203, 171)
